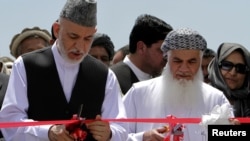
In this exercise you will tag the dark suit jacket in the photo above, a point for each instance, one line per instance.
(125, 76)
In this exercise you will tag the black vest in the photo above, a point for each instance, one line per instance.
(45, 93)
(125, 76)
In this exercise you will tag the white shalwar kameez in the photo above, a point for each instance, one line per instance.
(138, 105)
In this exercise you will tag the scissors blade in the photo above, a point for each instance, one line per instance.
(80, 111)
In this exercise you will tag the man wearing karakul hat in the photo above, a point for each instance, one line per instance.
(179, 91)
(58, 82)
(28, 40)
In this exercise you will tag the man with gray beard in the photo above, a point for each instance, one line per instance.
(62, 82)
(179, 91)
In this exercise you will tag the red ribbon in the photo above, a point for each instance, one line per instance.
(146, 120)
(79, 134)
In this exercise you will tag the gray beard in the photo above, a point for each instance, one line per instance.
(63, 54)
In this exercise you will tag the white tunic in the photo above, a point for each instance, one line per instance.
(138, 105)
(15, 103)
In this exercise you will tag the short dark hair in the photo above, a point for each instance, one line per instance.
(149, 29)
(101, 39)
(209, 53)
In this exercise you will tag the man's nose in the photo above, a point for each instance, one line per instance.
(184, 67)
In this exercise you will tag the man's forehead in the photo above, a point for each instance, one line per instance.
(185, 53)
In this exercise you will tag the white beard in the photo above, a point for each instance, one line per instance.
(63, 53)
(179, 96)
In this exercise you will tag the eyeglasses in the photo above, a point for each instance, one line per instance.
(240, 68)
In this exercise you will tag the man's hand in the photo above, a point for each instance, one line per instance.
(155, 134)
(59, 133)
(234, 121)
(100, 129)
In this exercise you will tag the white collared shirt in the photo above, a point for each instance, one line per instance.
(138, 73)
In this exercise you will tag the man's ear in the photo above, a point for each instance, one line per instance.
(56, 27)
(141, 47)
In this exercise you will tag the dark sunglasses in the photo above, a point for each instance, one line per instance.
(240, 68)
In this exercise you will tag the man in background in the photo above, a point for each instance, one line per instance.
(144, 60)
(4, 79)
(208, 55)
(120, 54)
(102, 48)
(28, 40)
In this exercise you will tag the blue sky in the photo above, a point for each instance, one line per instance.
(217, 20)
